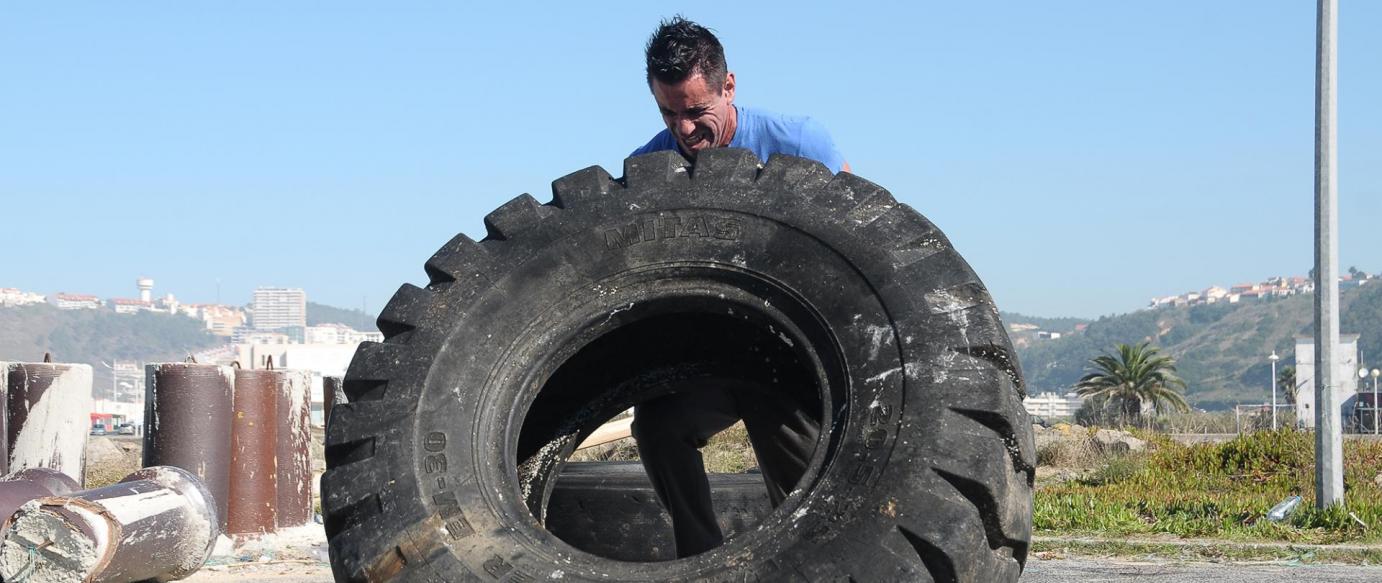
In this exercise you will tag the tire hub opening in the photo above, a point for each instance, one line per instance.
(692, 364)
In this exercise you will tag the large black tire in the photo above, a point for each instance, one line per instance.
(819, 286)
(609, 509)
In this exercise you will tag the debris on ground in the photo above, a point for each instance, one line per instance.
(302, 543)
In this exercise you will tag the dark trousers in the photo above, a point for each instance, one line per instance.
(670, 431)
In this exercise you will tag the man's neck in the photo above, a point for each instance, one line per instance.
(733, 125)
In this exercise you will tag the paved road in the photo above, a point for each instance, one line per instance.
(264, 573)
(1038, 571)
(1121, 570)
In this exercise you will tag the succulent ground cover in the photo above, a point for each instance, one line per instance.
(1222, 490)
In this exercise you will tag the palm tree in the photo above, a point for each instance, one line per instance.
(1286, 381)
(1132, 379)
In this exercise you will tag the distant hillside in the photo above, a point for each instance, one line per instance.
(318, 314)
(1221, 349)
(1062, 325)
(92, 336)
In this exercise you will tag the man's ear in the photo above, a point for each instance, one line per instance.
(729, 86)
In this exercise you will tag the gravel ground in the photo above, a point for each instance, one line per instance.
(1038, 571)
(275, 572)
(1091, 570)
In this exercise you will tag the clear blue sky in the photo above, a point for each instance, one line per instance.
(1083, 156)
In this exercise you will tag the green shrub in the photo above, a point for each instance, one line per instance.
(1118, 469)
(1219, 490)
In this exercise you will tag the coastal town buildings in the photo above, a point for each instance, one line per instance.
(278, 307)
(66, 301)
(1272, 287)
(1053, 405)
(15, 297)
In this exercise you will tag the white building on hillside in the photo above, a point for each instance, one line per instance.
(338, 334)
(277, 307)
(222, 320)
(327, 351)
(249, 336)
(1345, 374)
(65, 301)
(130, 305)
(323, 360)
(13, 297)
(1051, 405)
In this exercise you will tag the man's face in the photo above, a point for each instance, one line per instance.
(698, 115)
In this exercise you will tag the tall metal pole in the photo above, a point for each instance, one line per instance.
(1375, 404)
(1273, 358)
(1329, 445)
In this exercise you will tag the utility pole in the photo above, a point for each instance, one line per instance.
(1273, 358)
(1329, 445)
(1375, 402)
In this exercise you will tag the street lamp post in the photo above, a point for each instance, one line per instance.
(1375, 405)
(1273, 358)
(1358, 412)
(114, 390)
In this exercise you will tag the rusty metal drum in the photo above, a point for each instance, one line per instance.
(187, 415)
(48, 407)
(253, 490)
(20, 487)
(158, 524)
(293, 448)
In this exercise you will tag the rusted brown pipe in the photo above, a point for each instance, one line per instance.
(4, 417)
(48, 416)
(28, 484)
(158, 524)
(294, 441)
(187, 418)
(253, 493)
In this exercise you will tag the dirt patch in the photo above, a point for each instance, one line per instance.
(109, 460)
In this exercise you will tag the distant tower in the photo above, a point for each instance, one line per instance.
(146, 289)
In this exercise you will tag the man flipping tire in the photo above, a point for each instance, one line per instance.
(694, 91)
(762, 278)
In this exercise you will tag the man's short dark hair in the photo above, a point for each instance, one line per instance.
(681, 48)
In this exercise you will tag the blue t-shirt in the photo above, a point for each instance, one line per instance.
(767, 133)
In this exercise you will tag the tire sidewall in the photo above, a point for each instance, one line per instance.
(477, 379)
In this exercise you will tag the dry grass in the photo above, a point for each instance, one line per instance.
(729, 452)
(1069, 453)
(614, 451)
